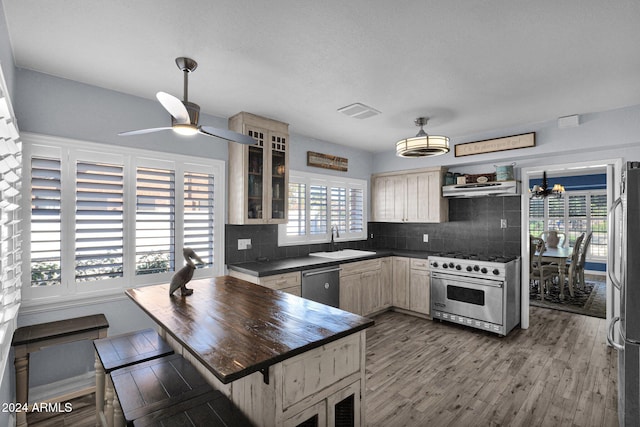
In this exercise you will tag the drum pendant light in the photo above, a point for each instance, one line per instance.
(422, 145)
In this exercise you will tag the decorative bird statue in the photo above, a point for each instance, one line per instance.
(182, 276)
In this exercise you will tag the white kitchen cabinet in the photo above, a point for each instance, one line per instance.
(409, 196)
(401, 282)
(360, 286)
(258, 173)
(386, 282)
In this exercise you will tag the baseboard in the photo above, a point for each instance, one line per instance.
(64, 390)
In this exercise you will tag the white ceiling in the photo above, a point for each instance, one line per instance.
(472, 66)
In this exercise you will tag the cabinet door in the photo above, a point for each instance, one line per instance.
(278, 161)
(350, 293)
(386, 281)
(315, 416)
(344, 407)
(256, 168)
(421, 206)
(401, 282)
(370, 291)
(419, 291)
(388, 198)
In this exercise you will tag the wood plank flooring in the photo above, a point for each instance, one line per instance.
(425, 373)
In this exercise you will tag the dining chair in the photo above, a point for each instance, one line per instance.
(582, 259)
(561, 236)
(571, 267)
(539, 272)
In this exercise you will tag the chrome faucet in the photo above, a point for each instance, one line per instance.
(333, 227)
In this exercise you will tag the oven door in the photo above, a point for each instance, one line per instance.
(475, 298)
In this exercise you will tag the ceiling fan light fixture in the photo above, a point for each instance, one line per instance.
(422, 145)
(185, 129)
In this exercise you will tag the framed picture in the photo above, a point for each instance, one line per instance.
(327, 161)
(513, 142)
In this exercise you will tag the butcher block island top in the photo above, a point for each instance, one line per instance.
(236, 328)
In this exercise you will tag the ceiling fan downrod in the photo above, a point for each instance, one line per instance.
(187, 65)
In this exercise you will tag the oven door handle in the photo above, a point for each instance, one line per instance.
(466, 279)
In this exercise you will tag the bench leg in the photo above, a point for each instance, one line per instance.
(109, 395)
(99, 391)
(118, 417)
(22, 383)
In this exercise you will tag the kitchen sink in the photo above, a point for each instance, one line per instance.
(343, 254)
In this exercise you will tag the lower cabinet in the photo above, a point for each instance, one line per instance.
(341, 409)
(386, 283)
(411, 284)
(287, 282)
(363, 289)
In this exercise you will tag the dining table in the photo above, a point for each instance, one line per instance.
(558, 255)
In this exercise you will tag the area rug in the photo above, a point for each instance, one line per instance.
(590, 301)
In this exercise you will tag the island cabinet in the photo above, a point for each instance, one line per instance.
(364, 288)
(411, 285)
(282, 360)
(286, 282)
(409, 196)
(258, 173)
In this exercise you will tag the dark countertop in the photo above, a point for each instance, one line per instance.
(287, 265)
(235, 328)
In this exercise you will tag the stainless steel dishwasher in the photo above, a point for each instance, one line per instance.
(322, 285)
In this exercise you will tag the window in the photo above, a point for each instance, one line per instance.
(319, 202)
(10, 225)
(102, 218)
(576, 213)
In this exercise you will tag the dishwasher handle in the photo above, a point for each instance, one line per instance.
(316, 272)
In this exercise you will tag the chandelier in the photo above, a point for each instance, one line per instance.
(542, 191)
(422, 145)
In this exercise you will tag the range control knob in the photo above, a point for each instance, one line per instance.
(476, 268)
(450, 265)
(435, 264)
(496, 271)
(458, 267)
(484, 270)
(445, 265)
(469, 268)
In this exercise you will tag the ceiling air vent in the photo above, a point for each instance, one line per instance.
(359, 111)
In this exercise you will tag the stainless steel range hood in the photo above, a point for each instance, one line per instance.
(477, 189)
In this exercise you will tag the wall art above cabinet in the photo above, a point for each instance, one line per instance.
(258, 173)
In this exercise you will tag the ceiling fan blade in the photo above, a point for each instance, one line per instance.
(175, 107)
(142, 131)
(229, 135)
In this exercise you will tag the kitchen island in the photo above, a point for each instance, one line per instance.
(281, 359)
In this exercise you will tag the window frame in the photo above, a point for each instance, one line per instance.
(328, 181)
(70, 151)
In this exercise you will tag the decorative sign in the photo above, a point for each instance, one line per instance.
(327, 161)
(499, 144)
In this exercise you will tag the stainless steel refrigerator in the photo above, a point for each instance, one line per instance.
(623, 267)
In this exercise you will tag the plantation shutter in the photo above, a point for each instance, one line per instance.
(46, 222)
(155, 220)
(99, 237)
(339, 208)
(356, 210)
(297, 219)
(318, 220)
(199, 215)
(10, 227)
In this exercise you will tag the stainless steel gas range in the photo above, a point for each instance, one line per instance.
(476, 290)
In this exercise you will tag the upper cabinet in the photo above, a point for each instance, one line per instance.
(409, 196)
(258, 173)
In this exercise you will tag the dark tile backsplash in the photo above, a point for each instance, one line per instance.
(474, 226)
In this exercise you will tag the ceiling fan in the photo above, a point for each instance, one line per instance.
(184, 114)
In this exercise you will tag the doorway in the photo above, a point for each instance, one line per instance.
(531, 175)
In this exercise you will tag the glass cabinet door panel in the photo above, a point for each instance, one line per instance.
(256, 175)
(278, 176)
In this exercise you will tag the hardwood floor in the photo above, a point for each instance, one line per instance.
(427, 373)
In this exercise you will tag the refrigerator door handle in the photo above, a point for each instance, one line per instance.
(610, 339)
(612, 243)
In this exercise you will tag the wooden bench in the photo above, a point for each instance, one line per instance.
(28, 339)
(155, 385)
(117, 352)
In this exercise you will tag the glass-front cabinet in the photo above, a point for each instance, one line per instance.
(258, 173)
